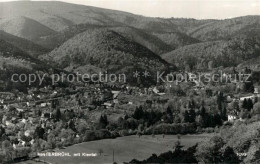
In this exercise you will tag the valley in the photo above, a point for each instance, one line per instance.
(206, 110)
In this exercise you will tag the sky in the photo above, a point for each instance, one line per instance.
(199, 9)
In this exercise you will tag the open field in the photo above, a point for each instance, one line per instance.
(125, 148)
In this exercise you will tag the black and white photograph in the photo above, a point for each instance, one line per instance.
(129, 81)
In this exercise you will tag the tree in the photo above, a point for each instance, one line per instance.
(209, 151)
(234, 105)
(192, 116)
(253, 155)
(177, 119)
(51, 141)
(244, 114)
(54, 104)
(140, 128)
(199, 121)
(256, 100)
(177, 146)
(229, 156)
(220, 101)
(179, 137)
(250, 105)
(210, 65)
(139, 113)
(58, 114)
(169, 111)
(36, 147)
(178, 156)
(71, 125)
(202, 110)
(189, 116)
(256, 109)
(103, 122)
(100, 151)
(69, 114)
(224, 113)
(39, 132)
(7, 149)
(248, 86)
(245, 104)
(185, 116)
(2, 131)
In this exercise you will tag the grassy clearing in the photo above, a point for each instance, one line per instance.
(125, 148)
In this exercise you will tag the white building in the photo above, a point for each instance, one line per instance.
(247, 97)
(232, 118)
(256, 92)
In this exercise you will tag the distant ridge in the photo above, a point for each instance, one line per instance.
(58, 26)
(25, 28)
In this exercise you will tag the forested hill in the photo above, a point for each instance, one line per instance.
(57, 29)
(23, 44)
(106, 49)
(212, 54)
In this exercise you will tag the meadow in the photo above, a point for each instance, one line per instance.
(125, 148)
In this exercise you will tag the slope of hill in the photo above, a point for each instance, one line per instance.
(59, 16)
(226, 28)
(25, 28)
(145, 39)
(189, 24)
(51, 24)
(15, 61)
(208, 55)
(108, 50)
(14, 57)
(56, 40)
(25, 45)
(8, 50)
(253, 64)
(176, 39)
(137, 35)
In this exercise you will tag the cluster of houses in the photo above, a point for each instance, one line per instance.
(29, 111)
(26, 112)
(234, 115)
(6, 97)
